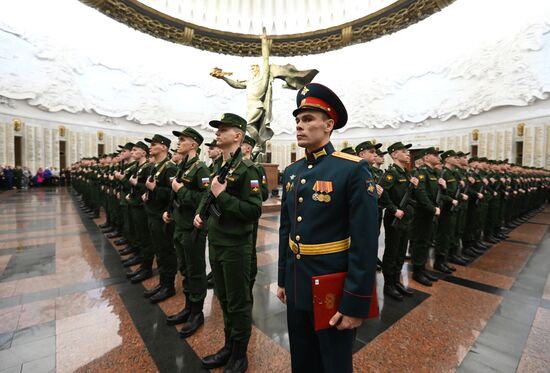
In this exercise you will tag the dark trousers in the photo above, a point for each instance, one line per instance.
(191, 262)
(421, 238)
(162, 242)
(325, 351)
(143, 238)
(231, 269)
(396, 241)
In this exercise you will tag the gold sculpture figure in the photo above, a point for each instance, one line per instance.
(258, 93)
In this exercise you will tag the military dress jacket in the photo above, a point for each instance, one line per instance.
(395, 184)
(452, 184)
(159, 198)
(329, 224)
(142, 172)
(240, 204)
(196, 180)
(426, 191)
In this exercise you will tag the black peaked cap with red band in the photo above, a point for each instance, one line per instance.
(315, 96)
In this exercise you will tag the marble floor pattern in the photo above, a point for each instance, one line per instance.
(66, 306)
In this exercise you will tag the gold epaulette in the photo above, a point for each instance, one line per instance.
(349, 157)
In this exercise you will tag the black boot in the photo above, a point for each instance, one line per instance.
(238, 362)
(210, 280)
(121, 241)
(109, 229)
(166, 291)
(104, 225)
(196, 319)
(150, 292)
(439, 265)
(400, 287)
(132, 261)
(181, 316)
(128, 250)
(220, 358)
(429, 276)
(389, 288)
(457, 260)
(115, 234)
(142, 275)
(418, 275)
(133, 273)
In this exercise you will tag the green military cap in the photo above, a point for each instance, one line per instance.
(432, 150)
(366, 145)
(473, 159)
(397, 146)
(191, 133)
(230, 119)
(505, 160)
(462, 154)
(483, 159)
(249, 140)
(419, 154)
(447, 154)
(348, 150)
(141, 145)
(159, 139)
(380, 153)
(94, 159)
(211, 144)
(127, 146)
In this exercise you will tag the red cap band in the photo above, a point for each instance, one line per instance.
(317, 103)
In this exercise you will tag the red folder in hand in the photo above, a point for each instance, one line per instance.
(327, 295)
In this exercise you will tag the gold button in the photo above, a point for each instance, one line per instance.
(298, 238)
(310, 166)
(299, 219)
(298, 256)
(301, 199)
(303, 181)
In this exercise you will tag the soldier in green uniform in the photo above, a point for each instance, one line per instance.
(213, 153)
(141, 243)
(367, 150)
(349, 150)
(397, 219)
(156, 198)
(461, 209)
(239, 200)
(447, 219)
(328, 226)
(426, 213)
(246, 148)
(195, 180)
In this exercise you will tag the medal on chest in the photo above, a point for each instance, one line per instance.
(322, 191)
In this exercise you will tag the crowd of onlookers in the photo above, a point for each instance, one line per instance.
(22, 178)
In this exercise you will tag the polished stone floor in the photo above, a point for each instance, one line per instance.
(65, 305)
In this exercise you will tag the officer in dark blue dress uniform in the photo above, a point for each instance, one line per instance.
(328, 225)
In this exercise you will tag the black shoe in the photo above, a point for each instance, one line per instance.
(127, 250)
(93, 215)
(115, 234)
(219, 359)
(132, 261)
(164, 293)
(476, 251)
(479, 246)
(421, 278)
(457, 260)
(121, 241)
(182, 316)
(108, 230)
(104, 225)
(400, 288)
(150, 292)
(210, 280)
(142, 275)
(238, 362)
(132, 273)
(439, 266)
(429, 276)
(469, 254)
(193, 324)
(451, 268)
(391, 291)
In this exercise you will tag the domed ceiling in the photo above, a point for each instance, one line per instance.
(296, 27)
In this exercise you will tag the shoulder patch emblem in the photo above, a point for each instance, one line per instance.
(421, 177)
(254, 186)
(389, 177)
(349, 157)
(205, 181)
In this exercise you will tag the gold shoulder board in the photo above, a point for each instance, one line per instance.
(349, 157)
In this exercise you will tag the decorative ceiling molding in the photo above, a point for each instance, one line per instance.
(388, 20)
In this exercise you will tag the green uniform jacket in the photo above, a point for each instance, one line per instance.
(196, 181)
(159, 198)
(240, 204)
(395, 184)
(426, 192)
